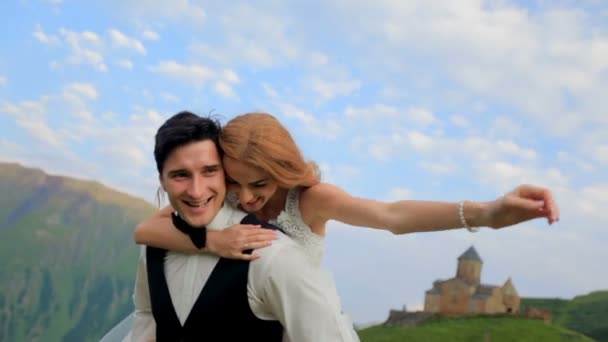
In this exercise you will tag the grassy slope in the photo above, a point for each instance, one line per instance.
(495, 329)
(587, 314)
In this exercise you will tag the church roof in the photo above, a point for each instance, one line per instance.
(470, 254)
(508, 288)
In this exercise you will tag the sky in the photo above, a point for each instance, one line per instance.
(406, 99)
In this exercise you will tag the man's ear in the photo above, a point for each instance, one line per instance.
(162, 183)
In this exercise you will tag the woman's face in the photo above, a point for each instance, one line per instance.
(253, 186)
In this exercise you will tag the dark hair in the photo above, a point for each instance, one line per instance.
(181, 129)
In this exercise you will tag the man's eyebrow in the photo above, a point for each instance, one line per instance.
(214, 167)
(177, 171)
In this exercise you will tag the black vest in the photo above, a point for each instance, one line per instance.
(221, 311)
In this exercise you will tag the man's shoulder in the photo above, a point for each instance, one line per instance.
(276, 252)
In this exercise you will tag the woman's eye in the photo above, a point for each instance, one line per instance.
(260, 185)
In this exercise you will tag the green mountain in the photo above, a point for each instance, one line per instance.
(587, 314)
(68, 256)
(495, 329)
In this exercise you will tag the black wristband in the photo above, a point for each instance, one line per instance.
(197, 235)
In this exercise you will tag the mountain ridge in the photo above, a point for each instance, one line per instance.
(69, 255)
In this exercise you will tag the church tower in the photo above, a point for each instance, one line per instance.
(510, 297)
(469, 267)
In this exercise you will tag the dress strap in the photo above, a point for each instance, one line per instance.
(292, 203)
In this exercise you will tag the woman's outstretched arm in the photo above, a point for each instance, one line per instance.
(324, 202)
(159, 231)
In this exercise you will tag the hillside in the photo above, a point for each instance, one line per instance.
(68, 256)
(495, 329)
(587, 314)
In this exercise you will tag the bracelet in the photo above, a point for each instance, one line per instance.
(463, 221)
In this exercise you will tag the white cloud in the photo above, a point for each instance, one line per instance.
(178, 11)
(195, 74)
(40, 130)
(169, 97)
(125, 155)
(600, 153)
(419, 141)
(87, 90)
(459, 120)
(3, 81)
(121, 40)
(230, 76)
(511, 148)
(399, 194)
(421, 116)
(10, 150)
(265, 42)
(44, 38)
(338, 174)
(328, 90)
(389, 92)
(504, 172)
(86, 47)
(269, 90)
(418, 116)
(349, 171)
(148, 118)
(374, 112)
(84, 116)
(125, 63)
(548, 53)
(437, 167)
(318, 58)
(150, 35)
(90, 37)
(25, 108)
(238, 51)
(224, 85)
(593, 201)
(380, 151)
(506, 127)
(329, 129)
(224, 89)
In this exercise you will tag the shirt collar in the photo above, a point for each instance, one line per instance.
(226, 217)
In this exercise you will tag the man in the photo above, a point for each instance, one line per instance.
(181, 297)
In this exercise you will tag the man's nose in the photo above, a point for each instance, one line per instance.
(196, 188)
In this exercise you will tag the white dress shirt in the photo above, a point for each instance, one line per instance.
(283, 284)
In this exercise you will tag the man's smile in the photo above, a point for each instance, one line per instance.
(198, 204)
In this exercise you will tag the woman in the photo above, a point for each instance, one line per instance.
(268, 177)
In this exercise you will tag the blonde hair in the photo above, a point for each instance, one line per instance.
(260, 140)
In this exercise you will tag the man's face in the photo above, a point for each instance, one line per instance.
(194, 181)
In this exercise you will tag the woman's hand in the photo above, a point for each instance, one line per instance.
(231, 242)
(524, 203)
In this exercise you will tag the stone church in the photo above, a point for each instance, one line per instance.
(465, 294)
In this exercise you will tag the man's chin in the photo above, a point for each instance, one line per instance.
(195, 221)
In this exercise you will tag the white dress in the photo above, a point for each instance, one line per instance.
(290, 221)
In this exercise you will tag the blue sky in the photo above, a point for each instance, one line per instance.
(395, 100)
